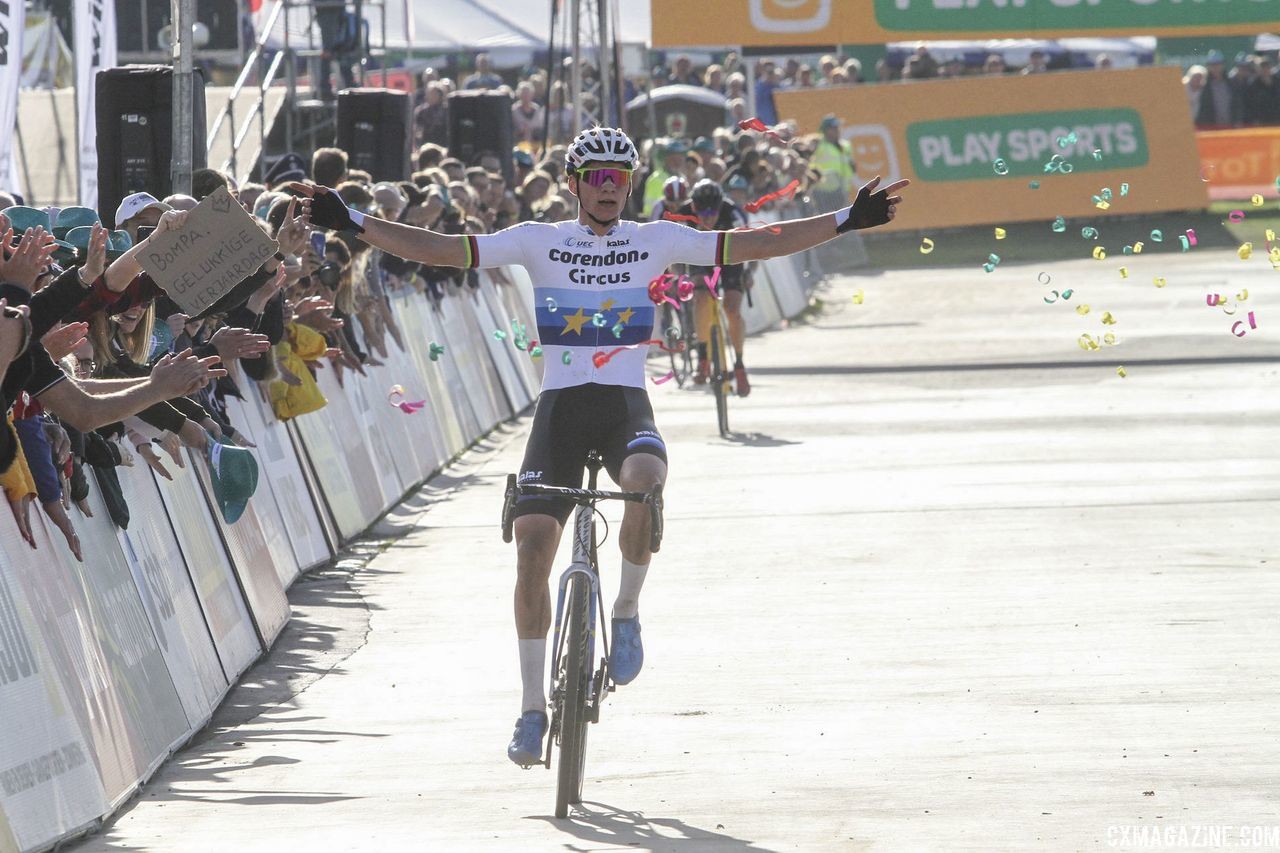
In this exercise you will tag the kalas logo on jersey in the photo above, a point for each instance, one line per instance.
(611, 259)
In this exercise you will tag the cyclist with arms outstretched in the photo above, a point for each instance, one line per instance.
(596, 264)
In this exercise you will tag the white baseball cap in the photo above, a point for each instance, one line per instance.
(134, 204)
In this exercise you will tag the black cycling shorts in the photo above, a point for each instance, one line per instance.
(731, 277)
(568, 422)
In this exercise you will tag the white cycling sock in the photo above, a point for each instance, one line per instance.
(627, 604)
(533, 674)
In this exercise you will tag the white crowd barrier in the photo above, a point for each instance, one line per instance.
(108, 666)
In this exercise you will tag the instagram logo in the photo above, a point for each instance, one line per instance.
(790, 16)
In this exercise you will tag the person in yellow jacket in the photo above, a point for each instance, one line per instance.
(833, 158)
(300, 345)
(672, 153)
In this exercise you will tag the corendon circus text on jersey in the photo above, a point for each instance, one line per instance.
(612, 259)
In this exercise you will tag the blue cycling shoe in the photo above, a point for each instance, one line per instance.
(627, 654)
(526, 744)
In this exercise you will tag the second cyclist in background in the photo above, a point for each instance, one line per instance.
(675, 192)
(714, 212)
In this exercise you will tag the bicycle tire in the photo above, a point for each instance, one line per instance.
(681, 356)
(576, 677)
(719, 380)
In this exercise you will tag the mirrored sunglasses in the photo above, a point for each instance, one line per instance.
(597, 177)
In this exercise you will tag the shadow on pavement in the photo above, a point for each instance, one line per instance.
(599, 823)
(757, 439)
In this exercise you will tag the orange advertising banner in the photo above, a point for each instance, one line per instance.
(986, 150)
(763, 23)
(1239, 163)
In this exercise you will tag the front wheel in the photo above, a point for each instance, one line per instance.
(575, 676)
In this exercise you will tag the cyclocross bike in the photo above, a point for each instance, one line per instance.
(577, 685)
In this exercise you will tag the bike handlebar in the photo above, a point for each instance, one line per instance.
(586, 497)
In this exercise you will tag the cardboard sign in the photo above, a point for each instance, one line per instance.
(946, 136)
(679, 23)
(219, 246)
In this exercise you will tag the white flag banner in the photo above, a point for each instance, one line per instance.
(94, 25)
(13, 14)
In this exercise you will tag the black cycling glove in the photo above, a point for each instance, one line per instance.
(868, 210)
(329, 211)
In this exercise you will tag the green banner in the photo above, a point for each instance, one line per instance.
(956, 16)
(966, 149)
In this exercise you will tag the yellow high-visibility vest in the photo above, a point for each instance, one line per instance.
(835, 162)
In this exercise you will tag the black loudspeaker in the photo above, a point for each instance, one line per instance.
(135, 132)
(374, 129)
(480, 122)
(141, 20)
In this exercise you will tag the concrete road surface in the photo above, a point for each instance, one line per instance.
(953, 584)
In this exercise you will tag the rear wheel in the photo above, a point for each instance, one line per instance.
(575, 676)
(719, 379)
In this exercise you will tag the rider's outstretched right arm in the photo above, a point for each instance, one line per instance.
(325, 209)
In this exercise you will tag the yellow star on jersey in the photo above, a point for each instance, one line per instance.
(625, 316)
(574, 322)
(608, 303)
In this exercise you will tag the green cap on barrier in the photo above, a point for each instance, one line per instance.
(233, 472)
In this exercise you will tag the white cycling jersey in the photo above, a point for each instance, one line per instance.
(578, 275)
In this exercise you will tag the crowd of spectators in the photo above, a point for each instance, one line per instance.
(1247, 95)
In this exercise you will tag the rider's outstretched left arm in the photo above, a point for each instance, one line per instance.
(872, 207)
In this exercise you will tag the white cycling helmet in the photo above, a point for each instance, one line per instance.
(601, 145)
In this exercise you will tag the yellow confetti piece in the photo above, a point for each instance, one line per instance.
(926, 246)
(1243, 296)
(1109, 339)
(1103, 204)
(1087, 343)
(1161, 282)
(1257, 200)
(1082, 310)
(1245, 251)
(1001, 233)
(1099, 253)
(858, 296)
(1124, 272)
(1121, 372)
(1137, 248)
(1271, 236)
(1275, 255)
(1108, 319)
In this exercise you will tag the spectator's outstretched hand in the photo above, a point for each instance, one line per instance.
(171, 220)
(232, 343)
(23, 264)
(324, 208)
(172, 445)
(149, 456)
(61, 341)
(180, 374)
(96, 259)
(872, 207)
(293, 232)
(22, 517)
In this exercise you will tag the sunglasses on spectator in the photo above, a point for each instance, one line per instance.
(597, 177)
